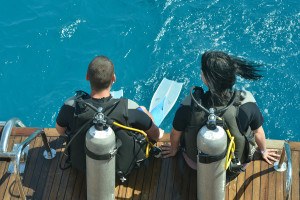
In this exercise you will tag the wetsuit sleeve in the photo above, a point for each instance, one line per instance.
(182, 118)
(64, 116)
(249, 115)
(138, 119)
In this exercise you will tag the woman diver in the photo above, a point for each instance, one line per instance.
(244, 119)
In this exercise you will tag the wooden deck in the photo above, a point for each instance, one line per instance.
(158, 179)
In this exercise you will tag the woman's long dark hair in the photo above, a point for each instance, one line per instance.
(220, 70)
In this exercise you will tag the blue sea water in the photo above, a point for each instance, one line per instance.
(45, 47)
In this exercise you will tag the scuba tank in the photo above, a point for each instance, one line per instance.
(211, 157)
(100, 159)
(211, 173)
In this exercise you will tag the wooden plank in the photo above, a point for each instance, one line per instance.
(83, 193)
(163, 178)
(11, 179)
(232, 189)
(4, 175)
(52, 171)
(78, 185)
(26, 131)
(256, 179)
(4, 163)
(71, 183)
(295, 193)
(264, 180)
(66, 175)
(170, 179)
(227, 191)
(37, 168)
(248, 185)
(44, 173)
(185, 174)
(147, 179)
(63, 183)
(57, 176)
(33, 157)
(295, 146)
(272, 183)
(178, 182)
(21, 131)
(240, 186)
(155, 178)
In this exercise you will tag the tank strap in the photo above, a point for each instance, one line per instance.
(106, 156)
(205, 158)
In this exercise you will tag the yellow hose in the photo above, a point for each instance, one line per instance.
(231, 147)
(230, 150)
(149, 144)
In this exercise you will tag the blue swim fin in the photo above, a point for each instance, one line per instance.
(164, 99)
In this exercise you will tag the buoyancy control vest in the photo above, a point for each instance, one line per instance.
(131, 145)
(244, 141)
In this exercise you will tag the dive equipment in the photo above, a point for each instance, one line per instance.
(100, 159)
(211, 157)
(211, 173)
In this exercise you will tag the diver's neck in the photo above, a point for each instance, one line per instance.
(100, 94)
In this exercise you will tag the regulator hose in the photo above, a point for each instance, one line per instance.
(149, 144)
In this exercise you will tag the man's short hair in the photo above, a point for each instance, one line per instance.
(100, 73)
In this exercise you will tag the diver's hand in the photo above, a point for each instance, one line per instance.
(168, 150)
(270, 155)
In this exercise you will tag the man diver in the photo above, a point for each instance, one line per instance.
(73, 116)
(243, 118)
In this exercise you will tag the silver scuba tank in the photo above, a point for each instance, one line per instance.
(100, 161)
(211, 173)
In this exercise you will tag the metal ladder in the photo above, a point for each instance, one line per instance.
(19, 153)
(281, 166)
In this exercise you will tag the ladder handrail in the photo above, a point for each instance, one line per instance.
(289, 172)
(16, 154)
(7, 131)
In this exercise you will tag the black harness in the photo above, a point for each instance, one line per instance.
(228, 114)
(130, 145)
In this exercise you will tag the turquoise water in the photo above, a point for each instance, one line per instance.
(46, 46)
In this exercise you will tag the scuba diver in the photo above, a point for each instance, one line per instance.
(75, 118)
(241, 114)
